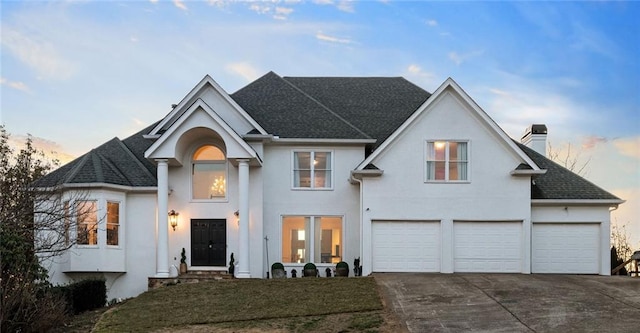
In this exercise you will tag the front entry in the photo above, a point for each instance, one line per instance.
(208, 242)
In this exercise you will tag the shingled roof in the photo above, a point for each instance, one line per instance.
(559, 183)
(310, 108)
(331, 107)
(114, 162)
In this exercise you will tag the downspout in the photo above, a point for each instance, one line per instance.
(359, 181)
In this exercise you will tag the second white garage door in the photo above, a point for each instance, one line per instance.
(565, 248)
(490, 247)
(400, 246)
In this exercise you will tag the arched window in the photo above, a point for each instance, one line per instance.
(209, 173)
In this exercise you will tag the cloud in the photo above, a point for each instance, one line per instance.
(51, 150)
(37, 53)
(345, 6)
(628, 146)
(217, 3)
(591, 141)
(593, 41)
(180, 4)
(260, 8)
(282, 13)
(432, 23)
(14, 84)
(415, 70)
(244, 69)
(153, 1)
(460, 58)
(517, 108)
(321, 36)
(416, 74)
(628, 214)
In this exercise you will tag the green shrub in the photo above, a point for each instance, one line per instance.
(84, 295)
(342, 264)
(277, 265)
(309, 265)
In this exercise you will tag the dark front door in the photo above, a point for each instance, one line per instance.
(208, 242)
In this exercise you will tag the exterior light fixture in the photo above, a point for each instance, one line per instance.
(237, 213)
(173, 219)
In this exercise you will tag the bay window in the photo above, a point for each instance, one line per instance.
(87, 222)
(447, 161)
(312, 170)
(311, 239)
(113, 222)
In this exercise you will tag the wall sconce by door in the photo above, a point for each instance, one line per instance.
(173, 219)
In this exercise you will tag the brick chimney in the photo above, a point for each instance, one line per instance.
(535, 137)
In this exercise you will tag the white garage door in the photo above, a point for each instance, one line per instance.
(405, 246)
(492, 247)
(565, 248)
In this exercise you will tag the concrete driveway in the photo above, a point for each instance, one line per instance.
(512, 302)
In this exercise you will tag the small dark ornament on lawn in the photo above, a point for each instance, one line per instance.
(294, 273)
(328, 272)
(232, 266)
(357, 269)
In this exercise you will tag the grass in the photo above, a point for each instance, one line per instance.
(287, 305)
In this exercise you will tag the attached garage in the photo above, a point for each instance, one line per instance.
(488, 247)
(567, 248)
(405, 246)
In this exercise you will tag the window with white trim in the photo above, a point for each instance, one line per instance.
(312, 239)
(113, 223)
(312, 170)
(447, 161)
(209, 173)
(87, 222)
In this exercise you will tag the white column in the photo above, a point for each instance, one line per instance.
(162, 253)
(243, 191)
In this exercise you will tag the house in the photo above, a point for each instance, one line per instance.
(325, 169)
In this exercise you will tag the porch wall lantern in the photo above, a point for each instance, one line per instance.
(173, 219)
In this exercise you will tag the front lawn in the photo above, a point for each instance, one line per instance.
(303, 304)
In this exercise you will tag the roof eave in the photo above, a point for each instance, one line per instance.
(94, 186)
(322, 141)
(522, 173)
(577, 202)
(357, 175)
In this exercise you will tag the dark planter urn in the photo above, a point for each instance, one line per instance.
(342, 269)
(310, 270)
(277, 271)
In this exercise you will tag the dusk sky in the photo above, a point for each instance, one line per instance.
(75, 74)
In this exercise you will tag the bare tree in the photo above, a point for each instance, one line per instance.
(621, 243)
(34, 224)
(570, 160)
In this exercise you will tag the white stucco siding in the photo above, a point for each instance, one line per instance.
(490, 194)
(225, 110)
(137, 241)
(197, 126)
(140, 239)
(573, 217)
(180, 200)
(280, 199)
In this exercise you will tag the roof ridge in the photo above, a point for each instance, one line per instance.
(95, 159)
(137, 161)
(74, 171)
(325, 107)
